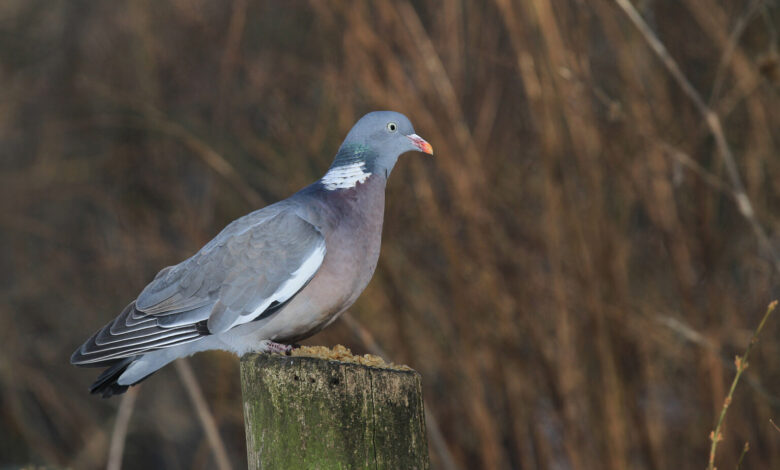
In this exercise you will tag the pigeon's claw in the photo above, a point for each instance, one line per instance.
(278, 348)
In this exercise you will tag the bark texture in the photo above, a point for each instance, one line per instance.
(312, 413)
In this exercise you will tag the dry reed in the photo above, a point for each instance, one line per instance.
(568, 273)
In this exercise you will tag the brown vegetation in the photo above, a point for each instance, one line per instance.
(572, 273)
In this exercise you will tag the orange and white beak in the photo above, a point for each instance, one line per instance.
(421, 144)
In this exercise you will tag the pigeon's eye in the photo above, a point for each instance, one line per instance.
(392, 127)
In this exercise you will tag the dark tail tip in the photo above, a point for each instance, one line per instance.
(106, 383)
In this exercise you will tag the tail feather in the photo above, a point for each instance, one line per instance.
(106, 384)
(134, 335)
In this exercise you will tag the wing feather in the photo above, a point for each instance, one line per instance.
(256, 264)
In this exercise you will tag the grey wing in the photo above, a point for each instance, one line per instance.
(250, 268)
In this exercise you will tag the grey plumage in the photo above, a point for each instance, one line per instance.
(279, 274)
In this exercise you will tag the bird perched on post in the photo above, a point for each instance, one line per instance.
(271, 277)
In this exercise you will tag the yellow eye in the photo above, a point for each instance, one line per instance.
(392, 127)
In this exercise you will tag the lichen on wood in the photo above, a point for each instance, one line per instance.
(319, 413)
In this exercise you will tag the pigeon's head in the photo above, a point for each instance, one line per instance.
(377, 140)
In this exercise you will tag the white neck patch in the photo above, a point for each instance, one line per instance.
(345, 176)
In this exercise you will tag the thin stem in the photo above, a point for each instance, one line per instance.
(712, 121)
(733, 42)
(774, 425)
(742, 364)
(207, 420)
(745, 450)
(708, 177)
(116, 449)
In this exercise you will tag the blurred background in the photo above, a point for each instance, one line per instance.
(570, 273)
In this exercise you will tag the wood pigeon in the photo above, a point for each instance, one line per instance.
(271, 277)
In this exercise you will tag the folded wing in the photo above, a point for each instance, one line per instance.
(255, 265)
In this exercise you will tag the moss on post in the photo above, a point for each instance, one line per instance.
(315, 413)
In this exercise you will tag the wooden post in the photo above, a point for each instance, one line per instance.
(314, 413)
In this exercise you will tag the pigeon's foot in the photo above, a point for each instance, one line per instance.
(278, 348)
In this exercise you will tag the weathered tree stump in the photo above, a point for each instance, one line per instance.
(313, 413)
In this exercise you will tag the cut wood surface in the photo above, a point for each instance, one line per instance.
(322, 413)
